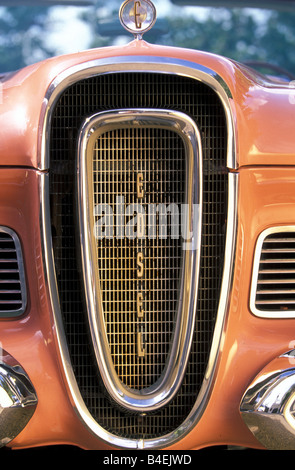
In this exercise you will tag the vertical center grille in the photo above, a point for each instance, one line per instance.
(138, 90)
(119, 156)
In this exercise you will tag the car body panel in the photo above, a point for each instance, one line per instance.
(259, 107)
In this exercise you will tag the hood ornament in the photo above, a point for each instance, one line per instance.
(137, 17)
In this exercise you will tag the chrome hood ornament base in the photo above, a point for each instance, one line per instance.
(137, 17)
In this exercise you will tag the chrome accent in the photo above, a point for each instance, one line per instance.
(135, 64)
(18, 399)
(160, 393)
(203, 397)
(13, 292)
(268, 406)
(279, 280)
(137, 17)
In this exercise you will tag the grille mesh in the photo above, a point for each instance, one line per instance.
(118, 157)
(276, 275)
(137, 90)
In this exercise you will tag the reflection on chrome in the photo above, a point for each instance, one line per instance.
(18, 399)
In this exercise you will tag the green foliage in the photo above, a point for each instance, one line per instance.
(278, 42)
(239, 35)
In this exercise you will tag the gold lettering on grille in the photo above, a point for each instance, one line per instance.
(140, 190)
(140, 345)
(140, 264)
(140, 256)
(139, 306)
(139, 302)
(137, 15)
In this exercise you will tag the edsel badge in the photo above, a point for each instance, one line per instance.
(137, 17)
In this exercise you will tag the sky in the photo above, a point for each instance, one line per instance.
(71, 35)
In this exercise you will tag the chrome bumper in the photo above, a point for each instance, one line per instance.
(268, 406)
(18, 399)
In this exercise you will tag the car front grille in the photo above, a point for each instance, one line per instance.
(166, 180)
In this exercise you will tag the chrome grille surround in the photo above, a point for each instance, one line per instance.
(273, 278)
(152, 65)
(162, 391)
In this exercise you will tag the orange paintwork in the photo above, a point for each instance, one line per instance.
(266, 159)
(262, 113)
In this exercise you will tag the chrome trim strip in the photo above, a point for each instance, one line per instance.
(18, 399)
(74, 392)
(21, 273)
(160, 393)
(137, 64)
(133, 64)
(279, 314)
(268, 404)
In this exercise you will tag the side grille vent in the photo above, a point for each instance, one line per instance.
(12, 280)
(273, 289)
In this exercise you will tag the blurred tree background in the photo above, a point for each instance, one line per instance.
(21, 36)
(241, 34)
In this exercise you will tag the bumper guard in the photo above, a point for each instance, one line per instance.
(18, 399)
(268, 406)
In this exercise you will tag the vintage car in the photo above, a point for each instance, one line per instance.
(147, 250)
